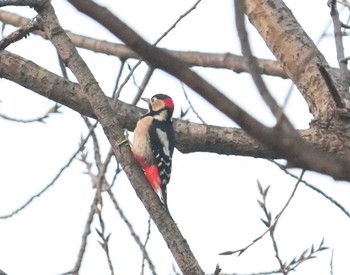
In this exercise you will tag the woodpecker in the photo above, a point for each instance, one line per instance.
(153, 143)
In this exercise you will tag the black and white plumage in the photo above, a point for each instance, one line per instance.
(153, 144)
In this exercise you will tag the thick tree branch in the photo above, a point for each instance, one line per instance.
(76, 100)
(114, 132)
(228, 61)
(288, 144)
(275, 109)
(190, 137)
(297, 53)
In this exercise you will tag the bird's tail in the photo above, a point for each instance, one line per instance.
(164, 198)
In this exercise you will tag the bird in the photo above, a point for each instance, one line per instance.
(153, 143)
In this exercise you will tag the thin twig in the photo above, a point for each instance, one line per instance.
(338, 36)
(228, 61)
(97, 154)
(217, 270)
(93, 209)
(337, 204)
(62, 66)
(191, 106)
(118, 78)
(268, 223)
(19, 34)
(272, 225)
(126, 80)
(276, 110)
(143, 85)
(81, 147)
(154, 44)
(144, 245)
(331, 263)
(53, 110)
(100, 179)
(277, 254)
(132, 231)
(116, 173)
(4, 3)
(87, 231)
(104, 238)
(173, 26)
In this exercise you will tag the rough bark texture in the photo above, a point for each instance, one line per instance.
(300, 58)
(297, 53)
(115, 134)
(190, 136)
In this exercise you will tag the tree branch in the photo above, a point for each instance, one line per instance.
(190, 136)
(289, 144)
(228, 61)
(114, 132)
(297, 53)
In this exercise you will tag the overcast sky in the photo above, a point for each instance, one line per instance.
(211, 197)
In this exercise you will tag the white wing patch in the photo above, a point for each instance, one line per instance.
(164, 140)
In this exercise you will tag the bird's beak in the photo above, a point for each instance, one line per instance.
(147, 100)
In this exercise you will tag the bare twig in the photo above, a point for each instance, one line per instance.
(190, 104)
(87, 231)
(81, 147)
(30, 3)
(122, 60)
(276, 110)
(272, 224)
(345, 3)
(173, 26)
(337, 204)
(97, 154)
(93, 209)
(104, 238)
(217, 270)
(132, 231)
(62, 66)
(116, 173)
(53, 110)
(290, 145)
(338, 36)
(345, 26)
(331, 263)
(268, 222)
(155, 43)
(145, 244)
(99, 181)
(228, 61)
(126, 80)
(143, 85)
(307, 254)
(20, 33)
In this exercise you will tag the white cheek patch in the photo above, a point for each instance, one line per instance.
(164, 140)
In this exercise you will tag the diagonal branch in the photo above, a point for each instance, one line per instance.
(20, 33)
(295, 50)
(253, 67)
(115, 134)
(190, 136)
(290, 145)
(228, 61)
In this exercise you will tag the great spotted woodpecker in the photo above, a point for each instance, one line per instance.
(153, 144)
